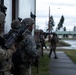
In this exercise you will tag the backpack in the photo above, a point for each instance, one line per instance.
(16, 58)
(56, 39)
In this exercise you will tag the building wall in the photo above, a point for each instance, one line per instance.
(60, 36)
(8, 4)
(24, 8)
(70, 36)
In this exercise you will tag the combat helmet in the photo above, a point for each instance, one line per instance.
(28, 21)
(15, 24)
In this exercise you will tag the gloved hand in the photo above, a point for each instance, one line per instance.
(13, 48)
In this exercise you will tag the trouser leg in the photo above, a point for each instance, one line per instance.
(42, 51)
(29, 70)
(54, 49)
(26, 71)
(50, 52)
(45, 46)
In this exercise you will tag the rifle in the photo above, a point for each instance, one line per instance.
(36, 63)
(14, 34)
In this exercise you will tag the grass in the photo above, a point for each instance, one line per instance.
(71, 54)
(44, 61)
(43, 66)
(62, 43)
(68, 38)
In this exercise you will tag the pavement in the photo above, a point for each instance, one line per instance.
(61, 66)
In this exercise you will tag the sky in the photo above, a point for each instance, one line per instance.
(67, 8)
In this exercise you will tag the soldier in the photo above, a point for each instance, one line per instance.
(5, 55)
(16, 56)
(53, 42)
(15, 24)
(37, 39)
(27, 50)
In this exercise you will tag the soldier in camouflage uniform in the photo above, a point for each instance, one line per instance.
(15, 58)
(37, 38)
(5, 55)
(27, 48)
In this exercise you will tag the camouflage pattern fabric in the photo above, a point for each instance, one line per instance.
(28, 21)
(15, 24)
(2, 20)
(28, 49)
(5, 55)
(2, 17)
(5, 60)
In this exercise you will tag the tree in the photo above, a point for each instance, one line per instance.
(51, 22)
(74, 29)
(64, 28)
(60, 24)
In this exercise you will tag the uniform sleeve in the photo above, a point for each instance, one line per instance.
(5, 54)
(30, 46)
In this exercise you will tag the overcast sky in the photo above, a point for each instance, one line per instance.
(67, 8)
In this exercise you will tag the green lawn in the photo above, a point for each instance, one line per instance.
(44, 61)
(62, 43)
(43, 66)
(71, 54)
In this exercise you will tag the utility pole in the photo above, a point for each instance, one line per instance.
(49, 25)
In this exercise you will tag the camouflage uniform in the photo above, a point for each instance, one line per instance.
(15, 58)
(5, 55)
(5, 61)
(37, 39)
(27, 49)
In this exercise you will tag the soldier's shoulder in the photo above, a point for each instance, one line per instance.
(1, 50)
